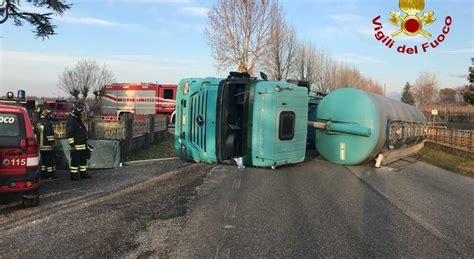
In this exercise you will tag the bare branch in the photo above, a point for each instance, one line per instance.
(238, 32)
(87, 76)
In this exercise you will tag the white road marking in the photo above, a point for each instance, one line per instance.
(226, 210)
(230, 214)
(236, 184)
(217, 253)
(235, 211)
(228, 253)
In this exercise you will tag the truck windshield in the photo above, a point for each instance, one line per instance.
(51, 105)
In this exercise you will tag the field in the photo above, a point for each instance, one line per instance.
(449, 162)
(163, 149)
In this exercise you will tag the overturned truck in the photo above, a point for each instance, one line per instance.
(262, 122)
(269, 123)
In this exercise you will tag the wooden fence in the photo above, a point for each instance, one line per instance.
(133, 134)
(462, 139)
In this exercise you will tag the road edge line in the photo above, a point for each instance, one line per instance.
(150, 160)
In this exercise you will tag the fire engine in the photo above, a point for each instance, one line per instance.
(119, 98)
(61, 109)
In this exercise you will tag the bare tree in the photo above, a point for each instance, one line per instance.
(426, 88)
(282, 45)
(87, 76)
(304, 62)
(238, 32)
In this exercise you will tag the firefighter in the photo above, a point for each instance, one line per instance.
(36, 115)
(45, 136)
(76, 134)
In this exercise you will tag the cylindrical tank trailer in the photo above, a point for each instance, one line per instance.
(354, 126)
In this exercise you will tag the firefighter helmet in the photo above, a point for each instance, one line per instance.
(77, 109)
(39, 109)
(47, 111)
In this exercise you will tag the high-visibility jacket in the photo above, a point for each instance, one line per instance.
(46, 134)
(76, 133)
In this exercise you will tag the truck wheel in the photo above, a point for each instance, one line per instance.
(31, 199)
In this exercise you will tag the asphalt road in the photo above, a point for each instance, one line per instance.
(184, 210)
(131, 211)
(318, 209)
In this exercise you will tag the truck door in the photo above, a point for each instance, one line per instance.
(13, 158)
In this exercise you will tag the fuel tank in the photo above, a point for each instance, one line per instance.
(354, 126)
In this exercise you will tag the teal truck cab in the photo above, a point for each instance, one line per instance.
(262, 122)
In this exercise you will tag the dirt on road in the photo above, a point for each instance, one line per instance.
(133, 211)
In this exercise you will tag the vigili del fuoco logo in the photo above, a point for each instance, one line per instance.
(413, 22)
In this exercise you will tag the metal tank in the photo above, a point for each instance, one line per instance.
(354, 126)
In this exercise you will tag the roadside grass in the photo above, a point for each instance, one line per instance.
(162, 149)
(449, 162)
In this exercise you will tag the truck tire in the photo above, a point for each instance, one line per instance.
(30, 199)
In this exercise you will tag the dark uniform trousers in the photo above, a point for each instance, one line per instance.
(76, 134)
(48, 162)
(79, 161)
(46, 140)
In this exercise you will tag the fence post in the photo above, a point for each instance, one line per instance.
(470, 141)
(452, 138)
(436, 137)
(151, 128)
(92, 127)
(127, 142)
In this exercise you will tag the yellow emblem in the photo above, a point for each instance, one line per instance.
(412, 24)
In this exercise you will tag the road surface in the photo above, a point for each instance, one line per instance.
(318, 209)
(184, 210)
(124, 212)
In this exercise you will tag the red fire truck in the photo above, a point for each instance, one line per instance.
(61, 109)
(118, 99)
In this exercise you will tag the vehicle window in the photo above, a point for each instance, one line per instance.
(51, 105)
(168, 94)
(287, 126)
(9, 126)
(60, 106)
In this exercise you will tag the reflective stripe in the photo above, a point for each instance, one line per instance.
(73, 167)
(83, 169)
(70, 140)
(32, 161)
(43, 167)
(50, 137)
(49, 169)
(81, 147)
(46, 148)
(74, 171)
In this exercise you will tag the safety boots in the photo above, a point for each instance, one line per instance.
(75, 177)
(84, 175)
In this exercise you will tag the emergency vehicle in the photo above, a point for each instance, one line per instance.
(61, 109)
(117, 99)
(19, 155)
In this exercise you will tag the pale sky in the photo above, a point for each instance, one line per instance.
(163, 41)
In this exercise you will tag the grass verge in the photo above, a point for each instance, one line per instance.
(162, 149)
(449, 162)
